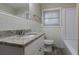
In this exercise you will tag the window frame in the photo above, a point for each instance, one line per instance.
(52, 9)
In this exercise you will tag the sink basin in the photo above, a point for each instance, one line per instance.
(27, 36)
(32, 34)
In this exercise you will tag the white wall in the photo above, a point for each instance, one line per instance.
(6, 9)
(23, 12)
(55, 5)
(19, 12)
(10, 22)
(54, 32)
(34, 23)
(34, 26)
(78, 24)
(34, 9)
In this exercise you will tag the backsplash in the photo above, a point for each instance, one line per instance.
(13, 32)
(6, 33)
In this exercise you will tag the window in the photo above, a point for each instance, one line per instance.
(51, 17)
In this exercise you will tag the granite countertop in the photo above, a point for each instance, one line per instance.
(20, 41)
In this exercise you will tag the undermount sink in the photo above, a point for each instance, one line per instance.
(32, 34)
(28, 36)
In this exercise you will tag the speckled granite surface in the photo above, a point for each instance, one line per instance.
(20, 41)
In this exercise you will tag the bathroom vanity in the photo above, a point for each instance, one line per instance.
(29, 44)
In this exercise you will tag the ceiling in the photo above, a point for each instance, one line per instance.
(18, 5)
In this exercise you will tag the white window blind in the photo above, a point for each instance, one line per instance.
(51, 17)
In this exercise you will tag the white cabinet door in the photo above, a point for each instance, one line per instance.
(36, 47)
(41, 46)
(32, 48)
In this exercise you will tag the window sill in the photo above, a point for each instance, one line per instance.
(52, 26)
